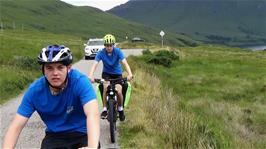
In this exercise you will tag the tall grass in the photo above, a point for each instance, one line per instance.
(155, 119)
(220, 104)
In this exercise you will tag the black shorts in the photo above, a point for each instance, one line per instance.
(107, 76)
(71, 140)
(111, 76)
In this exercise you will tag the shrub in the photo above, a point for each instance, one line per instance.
(161, 60)
(163, 53)
(163, 57)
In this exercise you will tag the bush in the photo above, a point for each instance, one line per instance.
(163, 53)
(162, 57)
(161, 60)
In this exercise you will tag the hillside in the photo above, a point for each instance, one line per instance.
(234, 22)
(58, 17)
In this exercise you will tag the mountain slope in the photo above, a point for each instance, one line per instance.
(220, 21)
(58, 17)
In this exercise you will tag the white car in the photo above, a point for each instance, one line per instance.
(92, 47)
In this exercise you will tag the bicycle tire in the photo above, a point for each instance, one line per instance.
(111, 116)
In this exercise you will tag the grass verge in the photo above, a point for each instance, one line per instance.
(221, 99)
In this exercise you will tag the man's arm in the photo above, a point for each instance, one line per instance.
(93, 68)
(93, 123)
(130, 76)
(14, 130)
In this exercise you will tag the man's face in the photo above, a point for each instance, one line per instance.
(109, 48)
(56, 73)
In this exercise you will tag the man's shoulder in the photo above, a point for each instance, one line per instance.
(99, 54)
(119, 52)
(75, 74)
(78, 80)
(38, 85)
(117, 49)
(101, 51)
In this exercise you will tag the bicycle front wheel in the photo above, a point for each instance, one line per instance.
(111, 117)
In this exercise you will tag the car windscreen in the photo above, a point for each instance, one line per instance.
(95, 43)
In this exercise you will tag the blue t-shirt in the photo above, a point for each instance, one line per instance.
(111, 63)
(63, 112)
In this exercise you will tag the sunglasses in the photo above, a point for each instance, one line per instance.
(108, 45)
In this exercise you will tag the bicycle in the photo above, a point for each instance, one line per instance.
(111, 97)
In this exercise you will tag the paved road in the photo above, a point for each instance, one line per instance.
(33, 132)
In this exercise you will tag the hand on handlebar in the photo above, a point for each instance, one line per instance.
(111, 81)
(129, 77)
(91, 79)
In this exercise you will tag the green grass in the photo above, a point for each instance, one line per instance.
(163, 123)
(222, 89)
(224, 74)
(18, 59)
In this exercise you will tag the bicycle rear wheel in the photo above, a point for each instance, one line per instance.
(112, 119)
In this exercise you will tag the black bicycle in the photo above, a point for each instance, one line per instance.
(111, 97)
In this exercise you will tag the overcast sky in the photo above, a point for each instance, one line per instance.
(101, 4)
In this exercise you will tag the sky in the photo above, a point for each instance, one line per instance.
(101, 4)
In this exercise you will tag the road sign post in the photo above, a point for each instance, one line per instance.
(162, 34)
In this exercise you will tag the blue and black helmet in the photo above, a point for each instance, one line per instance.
(55, 53)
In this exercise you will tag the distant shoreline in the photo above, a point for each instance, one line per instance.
(256, 48)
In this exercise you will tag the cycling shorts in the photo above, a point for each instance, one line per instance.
(70, 140)
(111, 76)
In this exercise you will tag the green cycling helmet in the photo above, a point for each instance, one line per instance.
(109, 39)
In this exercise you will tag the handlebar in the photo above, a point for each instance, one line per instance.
(112, 81)
(99, 80)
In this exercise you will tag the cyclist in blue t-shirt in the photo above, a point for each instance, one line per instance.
(111, 58)
(65, 100)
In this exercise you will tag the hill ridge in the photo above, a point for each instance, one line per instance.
(218, 21)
